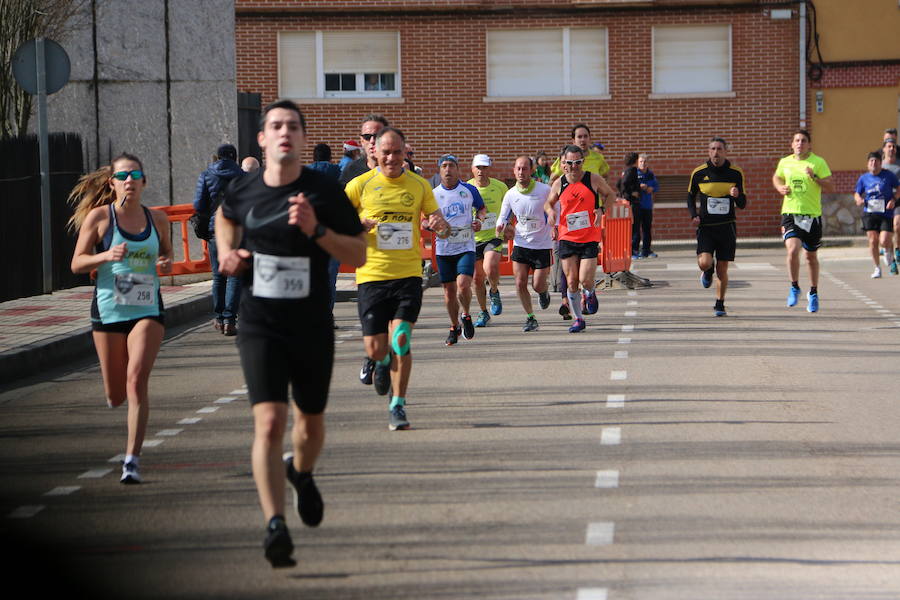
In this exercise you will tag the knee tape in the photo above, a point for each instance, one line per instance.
(403, 329)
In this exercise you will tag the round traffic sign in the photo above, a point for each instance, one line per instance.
(57, 66)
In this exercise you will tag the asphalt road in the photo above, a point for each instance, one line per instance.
(662, 453)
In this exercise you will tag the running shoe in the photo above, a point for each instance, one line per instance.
(468, 328)
(876, 274)
(896, 254)
(496, 303)
(218, 325)
(397, 419)
(453, 336)
(229, 329)
(382, 378)
(812, 304)
(719, 308)
(635, 257)
(793, 296)
(130, 473)
(544, 298)
(893, 267)
(706, 278)
(564, 312)
(365, 373)
(530, 325)
(650, 254)
(278, 544)
(483, 318)
(591, 304)
(307, 498)
(577, 326)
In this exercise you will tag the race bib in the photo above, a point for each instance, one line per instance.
(578, 220)
(490, 221)
(459, 235)
(529, 224)
(875, 205)
(134, 289)
(804, 222)
(395, 236)
(718, 206)
(280, 277)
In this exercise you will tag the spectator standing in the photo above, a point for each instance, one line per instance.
(630, 189)
(322, 161)
(644, 218)
(249, 164)
(351, 153)
(542, 167)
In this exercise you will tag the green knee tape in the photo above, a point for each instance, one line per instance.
(403, 329)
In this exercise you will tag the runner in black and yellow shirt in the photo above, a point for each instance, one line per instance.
(719, 186)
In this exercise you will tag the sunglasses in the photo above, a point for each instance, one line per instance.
(123, 175)
(367, 136)
(574, 163)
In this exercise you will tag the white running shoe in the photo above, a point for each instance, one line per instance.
(876, 273)
(130, 473)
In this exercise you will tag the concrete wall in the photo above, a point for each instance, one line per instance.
(160, 85)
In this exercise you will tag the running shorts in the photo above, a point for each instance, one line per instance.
(718, 240)
(583, 250)
(877, 222)
(812, 238)
(495, 244)
(536, 259)
(380, 302)
(455, 264)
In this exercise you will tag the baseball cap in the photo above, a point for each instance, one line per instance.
(227, 151)
(598, 145)
(351, 145)
(445, 157)
(481, 160)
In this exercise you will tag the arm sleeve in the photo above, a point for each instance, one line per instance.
(503, 217)
(477, 200)
(338, 213)
(741, 200)
(692, 196)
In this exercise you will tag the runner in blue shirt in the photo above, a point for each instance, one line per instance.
(877, 192)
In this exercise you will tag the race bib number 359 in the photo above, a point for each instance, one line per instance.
(280, 277)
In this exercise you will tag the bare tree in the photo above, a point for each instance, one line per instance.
(20, 21)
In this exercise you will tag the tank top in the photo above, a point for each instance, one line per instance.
(128, 289)
(577, 203)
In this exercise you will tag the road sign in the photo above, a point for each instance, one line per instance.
(25, 67)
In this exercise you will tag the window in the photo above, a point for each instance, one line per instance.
(692, 59)
(547, 62)
(339, 64)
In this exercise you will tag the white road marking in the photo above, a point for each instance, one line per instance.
(26, 512)
(631, 303)
(632, 293)
(190, 420)
(118, 458)
(618, 375)
(591, 594)
(600, 533)
(63, 490)
(225, 400)
(95, 473)
(208, 409)
(755, 266)
(607, 479)
(621, 354)
(627, 328)
(615, 400)
(170, 432)
(630, 313)
(611, 436)
(153, 443)
(682, 267)
(238, 392)
(624, 340)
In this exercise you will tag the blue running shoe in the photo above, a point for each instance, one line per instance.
(719, 308)
(706, 278)
(812, 304)
(483, 318)
(591, 304)
(793, 296)
(496, 303)
(577, 326)
(397, 420)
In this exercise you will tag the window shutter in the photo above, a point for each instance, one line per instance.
(588, 62)
(297, 65)
(691, 59)
(359, 51)
(525, 63)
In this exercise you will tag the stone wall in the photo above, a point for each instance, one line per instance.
(840, 215)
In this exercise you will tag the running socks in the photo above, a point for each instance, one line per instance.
(131, 458)
(397, 401)
(814, 290)
(384, 362)
(795, 285)
(575, 303)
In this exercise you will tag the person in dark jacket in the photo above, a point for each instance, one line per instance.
(322, 161)
(630, 189)
(226, 291)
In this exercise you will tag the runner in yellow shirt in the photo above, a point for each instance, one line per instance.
(488, 246)
(594, 162)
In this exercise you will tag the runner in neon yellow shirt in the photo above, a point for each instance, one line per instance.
(594, 162)
(488, 246)
(801, 178)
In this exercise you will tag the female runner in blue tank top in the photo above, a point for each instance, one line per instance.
(125, 243)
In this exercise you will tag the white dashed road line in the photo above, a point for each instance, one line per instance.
(600, 533)
(611, 436)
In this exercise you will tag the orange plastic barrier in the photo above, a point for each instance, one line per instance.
(615, 255)
(181, 213)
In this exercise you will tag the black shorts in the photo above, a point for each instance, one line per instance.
(812, 239)
(380, 302)
(495, 244)
(124, 327)
(579, 249)
(718, 240)
(877, 222)
(536, 259)
(272, 361)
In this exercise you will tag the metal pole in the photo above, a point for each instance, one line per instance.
(46, 243)
(803, 65)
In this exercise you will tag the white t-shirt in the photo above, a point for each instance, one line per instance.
(532, 230)
(456, 205)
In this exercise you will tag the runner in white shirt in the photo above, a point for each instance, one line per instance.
(533, 245)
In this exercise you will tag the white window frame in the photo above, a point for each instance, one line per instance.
(359, 94)
(566, 69)
(717, 94)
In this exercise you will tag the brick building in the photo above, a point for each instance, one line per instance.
(503, 78)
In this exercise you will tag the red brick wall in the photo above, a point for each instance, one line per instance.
(444, 81)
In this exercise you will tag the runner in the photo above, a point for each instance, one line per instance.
(390, 201)
(877, 192)
(533, 236)
(889, 163)
(594, 161)
(456, 254)
(126, 243)
(578, 193)
(719, 186)
(800, 178)
(488, 245)
(278, 230)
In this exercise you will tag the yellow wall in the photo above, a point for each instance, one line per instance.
(852, 124)
(858, 29)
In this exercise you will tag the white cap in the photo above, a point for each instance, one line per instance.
(481, 160)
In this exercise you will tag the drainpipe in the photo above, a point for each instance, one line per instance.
(803, 65)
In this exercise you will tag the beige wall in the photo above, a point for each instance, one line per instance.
(849, 112)
(858, 29)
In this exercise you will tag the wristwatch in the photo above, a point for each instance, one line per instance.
(318, 232)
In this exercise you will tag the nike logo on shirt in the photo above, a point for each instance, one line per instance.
(253, 222)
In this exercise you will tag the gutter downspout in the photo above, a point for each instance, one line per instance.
(803, 65)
